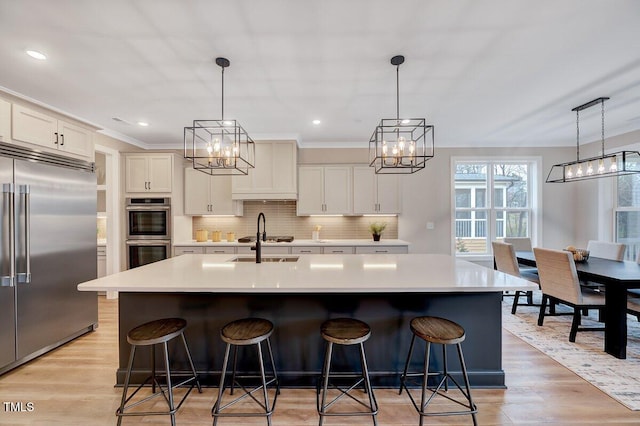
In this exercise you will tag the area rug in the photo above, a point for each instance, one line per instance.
(619, 378)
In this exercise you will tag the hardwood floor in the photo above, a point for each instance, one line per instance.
(73, 385)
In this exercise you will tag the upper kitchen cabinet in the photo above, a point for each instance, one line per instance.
(375, 194)
(274, 175)
(324, 190)
(5, 121)
(46, 131)
(148, 172)
(208, 195)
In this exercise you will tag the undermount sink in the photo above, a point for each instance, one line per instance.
(265, 259)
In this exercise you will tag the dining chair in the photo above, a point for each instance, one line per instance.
(504, 255)
(519, 243)
(606, 250)
(633, 306)
(559, 283)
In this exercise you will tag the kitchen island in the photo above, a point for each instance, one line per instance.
(384, 290)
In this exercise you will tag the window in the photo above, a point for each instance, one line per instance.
(627, 214)
(493, 200)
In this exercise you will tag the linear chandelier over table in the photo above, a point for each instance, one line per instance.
(605, 165)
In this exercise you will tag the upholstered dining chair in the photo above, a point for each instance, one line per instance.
(521, 244)
(606, 250)
(504, 255)
(559, 283)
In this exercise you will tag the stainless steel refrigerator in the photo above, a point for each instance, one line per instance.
(47, 247)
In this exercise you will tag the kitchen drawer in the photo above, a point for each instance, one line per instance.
(220, 250)
(382, 249)
(266, 250)
(306, 250)
(177, 251)
(337, 250)
(102, 251)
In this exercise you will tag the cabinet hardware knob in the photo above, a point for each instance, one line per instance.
(56, 142)
(61, 139)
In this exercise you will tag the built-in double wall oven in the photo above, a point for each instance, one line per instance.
(148, 230)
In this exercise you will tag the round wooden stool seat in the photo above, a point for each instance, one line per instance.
(345, 331)
(437, 330)
(157, 331)
(246, 331)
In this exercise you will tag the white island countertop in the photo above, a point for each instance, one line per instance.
(424, 273)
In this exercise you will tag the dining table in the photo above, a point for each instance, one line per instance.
(616, 277)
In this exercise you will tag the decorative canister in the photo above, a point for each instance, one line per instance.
(201, 235)
(231, 236)
(216, 236)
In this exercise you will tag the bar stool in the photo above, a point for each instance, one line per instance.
(444, 332)
(151, 334)
(244, 332)
(345, 331)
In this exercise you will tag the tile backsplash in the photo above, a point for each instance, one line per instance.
(281, 219)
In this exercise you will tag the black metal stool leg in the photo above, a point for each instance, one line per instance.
(365, 373)
(446, 370)
(235, 364)
(172, 410)
(216, 408)
(403, 378)
(273, 367)
(126, 384)
(264, 384)
(193, 368)
(423, 398)
(472, 406)
(325, 381)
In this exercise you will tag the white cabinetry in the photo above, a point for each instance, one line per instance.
(374, 193)
(338, 249)
(5, 121)
(265, 250)
(382, 249)
(102, 261)
(148, 172)
(206, 194)
(40, 129)
(274, 175)
(324, 190)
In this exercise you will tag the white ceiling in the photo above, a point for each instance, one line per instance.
(485, 73)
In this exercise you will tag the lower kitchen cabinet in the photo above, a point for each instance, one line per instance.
(265, 250)
(102, 261)
(338, 250)
(180, 250)
(306, 250)
(220, 250)
(382, 249)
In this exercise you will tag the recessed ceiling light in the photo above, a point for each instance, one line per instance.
(36, 55)
(316, 122)
(143, 124)
(406, 121)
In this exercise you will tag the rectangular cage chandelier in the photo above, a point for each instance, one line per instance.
(604, 165)
(401, 146)
(219, 147)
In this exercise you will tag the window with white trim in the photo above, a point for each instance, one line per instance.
(493, 199)
(627, 214)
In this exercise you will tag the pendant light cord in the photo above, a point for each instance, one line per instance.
(602, 103)
(578, 135)
(398, 92)
(222, 93)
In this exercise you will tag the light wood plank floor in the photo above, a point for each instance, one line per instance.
(73, 385)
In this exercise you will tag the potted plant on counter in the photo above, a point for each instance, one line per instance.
(376, 229)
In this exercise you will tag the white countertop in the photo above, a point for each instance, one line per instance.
(311, 274)
(340, 242)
